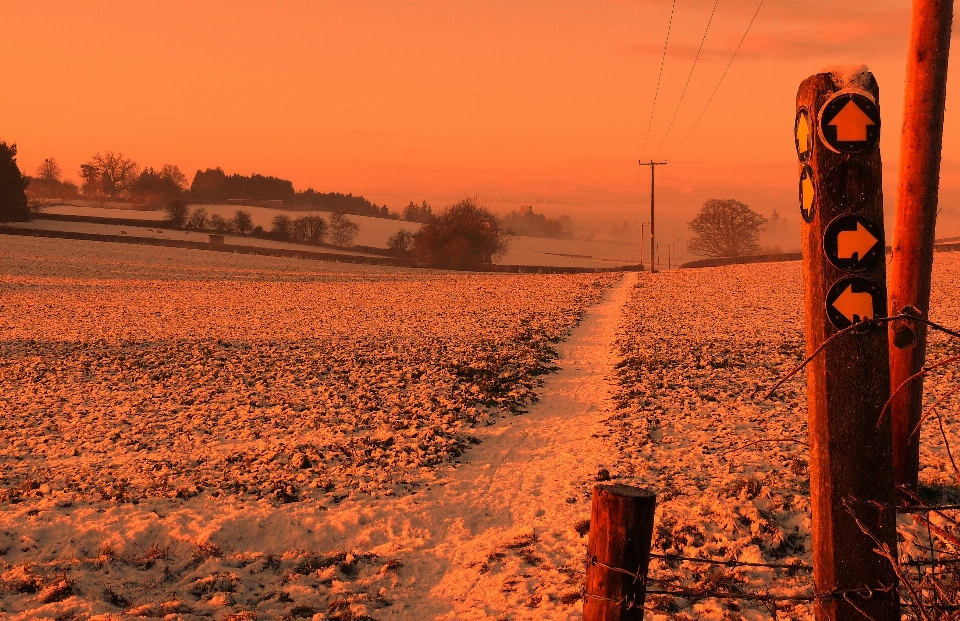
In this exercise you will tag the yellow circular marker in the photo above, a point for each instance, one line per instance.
(803, 135)
(808, 194)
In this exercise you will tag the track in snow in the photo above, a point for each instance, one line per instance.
(497, 536)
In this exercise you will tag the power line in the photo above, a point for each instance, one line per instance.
(689, 75)
(684, 141)
(657, 92)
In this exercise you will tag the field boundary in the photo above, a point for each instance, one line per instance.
(784, 257)
(297, 254)
(759, 258)
(164, 224)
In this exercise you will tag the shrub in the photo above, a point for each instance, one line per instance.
(464, 234)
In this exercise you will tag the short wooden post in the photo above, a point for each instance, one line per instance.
(621, 529)
(851, 459)
(917, 195)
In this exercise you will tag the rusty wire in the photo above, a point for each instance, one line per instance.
(859, 327)
(728, 563)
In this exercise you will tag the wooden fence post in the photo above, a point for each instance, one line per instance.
(837, 131)
(621, 530)
(913, 234)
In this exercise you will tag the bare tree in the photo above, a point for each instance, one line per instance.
(242, 222)
(401, 243)
(317, 229)
(49, 170)
(282, 227)
(342, 229)
(219, 224)
(177, 213)
(198, 219)
(109, 175)
(725, 228)
(171, 172)
(300, 228)
(463, 235)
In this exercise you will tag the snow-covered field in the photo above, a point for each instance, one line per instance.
(373, 231)
(189, 434)
(177, 425)
(699, 348)
(96, 228)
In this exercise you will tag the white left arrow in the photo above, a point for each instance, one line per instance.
(853, 305)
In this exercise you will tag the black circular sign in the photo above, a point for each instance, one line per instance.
(849, 123)
(803, 135)
(853, 242)
(808, 194)
(854, 299)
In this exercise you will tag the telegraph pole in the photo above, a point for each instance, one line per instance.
(911, 262)
(643, 226)
(653, 240)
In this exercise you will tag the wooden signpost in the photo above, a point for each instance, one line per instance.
(837, 131)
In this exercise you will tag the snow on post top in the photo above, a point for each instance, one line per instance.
(851, 76)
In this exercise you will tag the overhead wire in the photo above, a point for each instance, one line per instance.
(720, 81)
(656, 93)
(689, 75)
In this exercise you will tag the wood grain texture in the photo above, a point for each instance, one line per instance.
(914, 228)
(621, 529)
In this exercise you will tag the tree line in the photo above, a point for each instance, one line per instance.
(111, 176)
(310, 229)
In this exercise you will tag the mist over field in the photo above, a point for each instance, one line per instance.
(479, 311)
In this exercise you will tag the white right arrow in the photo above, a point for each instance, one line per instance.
(852, 305)
(857, 242)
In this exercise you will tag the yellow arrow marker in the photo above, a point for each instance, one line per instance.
(851, 123)
(807, 185)
(858, 242)
(803, 133)
(852, 305)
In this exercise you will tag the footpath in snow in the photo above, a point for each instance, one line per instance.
(498, 536)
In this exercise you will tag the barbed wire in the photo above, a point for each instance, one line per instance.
(908, 594)
(730, 562)
(908, 313)
(865, 592)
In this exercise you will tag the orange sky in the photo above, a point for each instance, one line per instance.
(513, 102)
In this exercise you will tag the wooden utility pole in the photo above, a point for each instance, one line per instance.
(621, 530)
(913, 232)
(837, 131)
(643, 227)
(653, 240)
